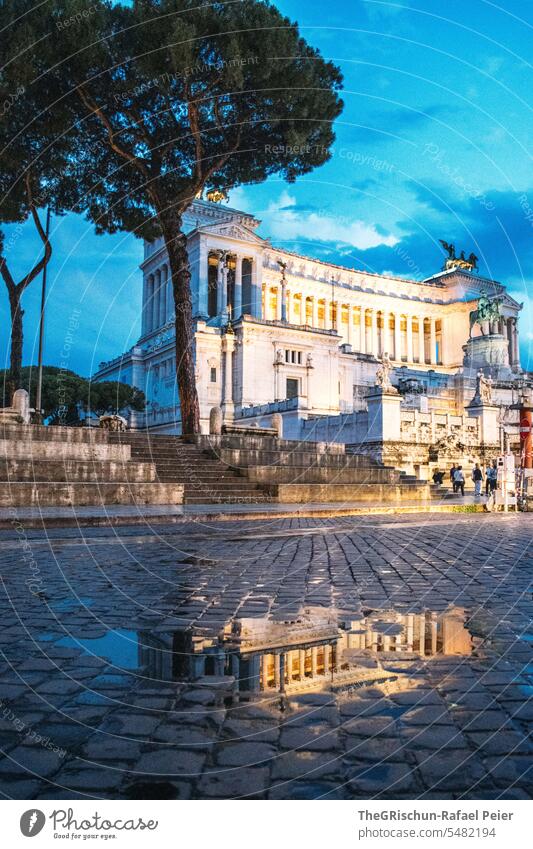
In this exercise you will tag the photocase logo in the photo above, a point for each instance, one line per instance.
(32, 822)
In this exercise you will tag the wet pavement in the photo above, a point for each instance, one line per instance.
(413, 634)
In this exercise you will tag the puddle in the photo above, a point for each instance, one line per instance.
(311, 649)
(316, 648)
(120, 647)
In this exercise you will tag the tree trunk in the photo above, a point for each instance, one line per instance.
(176, 245)
(15, 363)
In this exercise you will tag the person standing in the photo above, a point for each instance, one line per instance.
(488, 476)
(477, 477)
(452, 477)
(459, 480)
(494, 476)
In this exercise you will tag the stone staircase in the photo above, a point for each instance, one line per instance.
(255, 468)
(205, 478)
(62, 466)
(55, 466)
(305, 472)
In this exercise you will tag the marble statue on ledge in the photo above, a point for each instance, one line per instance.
(483, 389)
(383, 374)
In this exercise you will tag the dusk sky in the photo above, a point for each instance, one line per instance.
(432, 143)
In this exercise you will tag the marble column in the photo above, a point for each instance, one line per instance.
(228, 345)
(397, 338)
(410, 339)
(264, 672)
(237, 289)
(277, 672)
(349, 329)
(433, 633)
(362, 331)
(282, 664)
(515, 346)
(410, 631)
(203, 277)
(255, 287)
(146, 301)
(222, 292)
(422, 626)
(336, 323)
(163, 297)
(279, 304)
(374, 333)
(433, 342)
(155, 300)
(302, 664)
(327, 660)
(314, 653)
(315, 312)
(421, 341)
(235, 666)
(283, 310)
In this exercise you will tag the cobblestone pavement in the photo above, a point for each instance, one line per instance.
(79, 718)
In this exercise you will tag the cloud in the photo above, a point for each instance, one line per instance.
(285, 221)
(500, 235)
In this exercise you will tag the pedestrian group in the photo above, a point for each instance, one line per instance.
(457, 478)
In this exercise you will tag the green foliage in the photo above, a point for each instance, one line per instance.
(192, 95)
(65, 393)
(164, 98)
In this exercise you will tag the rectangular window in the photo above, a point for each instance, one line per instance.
(292, 387)
(287, 355)
(213, 375)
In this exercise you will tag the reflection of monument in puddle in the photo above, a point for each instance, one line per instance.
(319, 648)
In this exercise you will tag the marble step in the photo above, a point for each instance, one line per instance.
(75, 471)
(54, 494)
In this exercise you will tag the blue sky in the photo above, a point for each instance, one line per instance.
(432, 143)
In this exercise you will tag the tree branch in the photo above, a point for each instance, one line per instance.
(44, 238)
(111, 134)
(7, 276)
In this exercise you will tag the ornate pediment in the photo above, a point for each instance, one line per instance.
(232, 230)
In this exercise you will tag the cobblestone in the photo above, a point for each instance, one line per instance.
(74, 670)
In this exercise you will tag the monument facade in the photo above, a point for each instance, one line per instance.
(277, 332)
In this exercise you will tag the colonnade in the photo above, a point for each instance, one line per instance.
(277, 671)
(231, 286)
(405, 337)
(158, 301)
